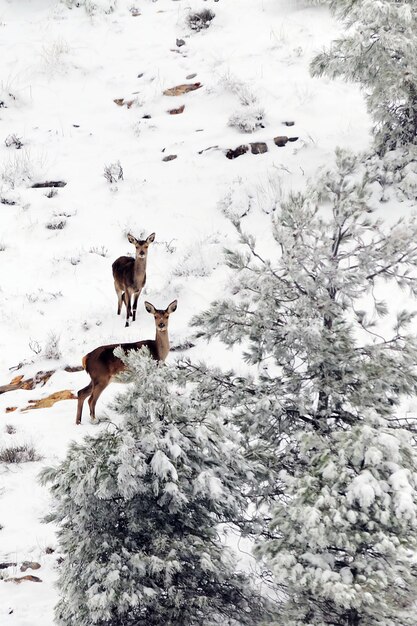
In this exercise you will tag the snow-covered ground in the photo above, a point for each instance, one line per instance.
(61, 71)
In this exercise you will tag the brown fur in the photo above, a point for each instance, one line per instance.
(103, 365)
(130, 276)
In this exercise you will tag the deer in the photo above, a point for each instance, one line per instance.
(130, 276)
(103, 365)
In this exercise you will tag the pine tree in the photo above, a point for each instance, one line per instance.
(328, 356)
(343, 541)
(378, 51)
(140, 509)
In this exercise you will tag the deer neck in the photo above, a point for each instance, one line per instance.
(162, 345)
(140, 268)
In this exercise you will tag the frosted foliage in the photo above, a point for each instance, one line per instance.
(309, 314)
(378, 51)
(397, 170)
(139, 506)
(331, 363)
(248, 119)
(344, 543)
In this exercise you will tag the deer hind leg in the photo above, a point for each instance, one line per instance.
(97, 391)
(128, 307)
(120, 298)
(135, 304)
(82, 395)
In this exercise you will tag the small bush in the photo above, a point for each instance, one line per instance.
(51, 349)
(100, 250)
(10, 429)
(248, 120)
(54, 57)
(231, 83)
(56, 223)
(19, 454)
(199, 20)
(13, 140)
(35, 346)
(93, 7)
(18, 170)
(7, 97)
(43, 296)
(113, 172)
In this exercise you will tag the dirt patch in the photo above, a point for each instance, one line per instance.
(19, 382)
(46, 403)
(179, 90)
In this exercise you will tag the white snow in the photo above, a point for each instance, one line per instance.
(61, 70)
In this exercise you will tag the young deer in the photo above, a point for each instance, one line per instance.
(130, 276)
(102, 365)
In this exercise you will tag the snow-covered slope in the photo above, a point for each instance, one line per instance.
(61, 71)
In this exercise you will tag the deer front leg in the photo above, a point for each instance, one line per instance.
(92, 401)
(135, 304)
(127, 298)
(120, 299)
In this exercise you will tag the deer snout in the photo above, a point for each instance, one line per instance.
(161, 325)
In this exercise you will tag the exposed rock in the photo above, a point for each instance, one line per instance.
(289, 123)
(19, 579)
(179, 90)
(29, 565)
(177, 111)
(170, 157)
(46, 403)
(122, 102)
(258, 147)
(49, 550)
(209, 148)
(135, 12)
(292, 138)
(233, 154)
(191, 76)
(6, 565)
(280, 141)
(180, 42)
(10, 409)
(51, 183)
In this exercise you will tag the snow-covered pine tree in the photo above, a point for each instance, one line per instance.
(378, 51)
(345, 540)
(140, 508)
(309, 321)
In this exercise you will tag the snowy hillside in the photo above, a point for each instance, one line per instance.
(61, 72)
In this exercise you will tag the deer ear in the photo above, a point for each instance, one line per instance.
(151, 238)
(172, 307)
(131, 238)
(149, 307)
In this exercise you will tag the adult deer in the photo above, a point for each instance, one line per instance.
(130, 276)
(102, 365)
